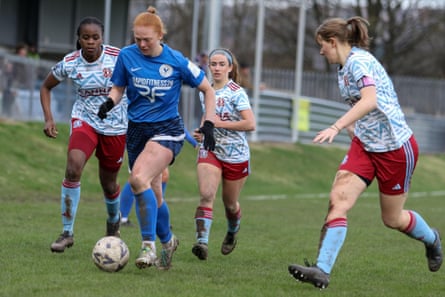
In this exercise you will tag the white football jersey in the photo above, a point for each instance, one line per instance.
(92, 83)
(231, 146)
(385, 128)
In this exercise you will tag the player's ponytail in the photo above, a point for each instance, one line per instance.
(358, 32)
(353, 31)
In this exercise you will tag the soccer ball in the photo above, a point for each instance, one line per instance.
(110, 254)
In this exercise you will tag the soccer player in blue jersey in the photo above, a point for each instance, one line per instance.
(152, 74)
(90, 68)
(127, 196)
(229, 163)
(383, 147)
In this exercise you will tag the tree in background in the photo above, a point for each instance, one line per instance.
(407, 35)
(402, 30)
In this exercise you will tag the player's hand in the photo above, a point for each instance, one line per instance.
(209, 139)
(326, 134)
(105, 107)
(197, 135)
(50, 129)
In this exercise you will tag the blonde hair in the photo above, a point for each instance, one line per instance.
(150, 18)
(353, 31)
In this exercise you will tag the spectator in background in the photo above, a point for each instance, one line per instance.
(245, 73)
(21, 50)
(245, 77)
(33, 52)
(16, 76)
(8, 97)
(21, 71)
(202, 60)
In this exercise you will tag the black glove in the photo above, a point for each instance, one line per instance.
(105, 107)
(209, 139)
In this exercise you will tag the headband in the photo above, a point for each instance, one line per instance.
(224, 52)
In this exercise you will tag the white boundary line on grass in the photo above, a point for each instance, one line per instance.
(310, 196)
(326, 195)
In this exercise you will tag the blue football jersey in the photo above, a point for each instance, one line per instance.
(154, 83)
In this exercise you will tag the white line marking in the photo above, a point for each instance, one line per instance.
(307, 196)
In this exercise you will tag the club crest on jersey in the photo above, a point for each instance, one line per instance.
(220, 101)
(165, 70)
(107, 72)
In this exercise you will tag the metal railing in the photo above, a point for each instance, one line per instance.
(21, 79)
(423, 101)
(275, 121)
(416, 94)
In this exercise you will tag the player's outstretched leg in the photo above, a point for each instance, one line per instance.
(332, 236)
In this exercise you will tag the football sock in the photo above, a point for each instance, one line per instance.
(127, 199)
(69, 202)
(147, 213)
(163, 223)
(113, 203)
(419, 229)
(203, 221)
(233, 220)
(333, 236)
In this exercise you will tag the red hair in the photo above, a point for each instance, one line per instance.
(150, 18)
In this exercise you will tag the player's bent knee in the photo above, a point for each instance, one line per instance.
(392, 223)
